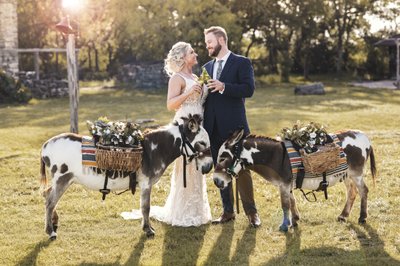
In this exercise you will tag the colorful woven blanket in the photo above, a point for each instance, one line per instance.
(297, 163)
(88, 152)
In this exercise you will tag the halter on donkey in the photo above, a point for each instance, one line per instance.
(161, 147)
(269, 158)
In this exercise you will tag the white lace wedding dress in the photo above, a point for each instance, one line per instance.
(184, 206)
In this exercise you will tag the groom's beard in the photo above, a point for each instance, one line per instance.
(216, 51)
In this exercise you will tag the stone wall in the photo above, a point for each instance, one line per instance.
(44, 88)
(8, 35)
(144, 76)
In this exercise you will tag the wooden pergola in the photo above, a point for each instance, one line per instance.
(393, 41)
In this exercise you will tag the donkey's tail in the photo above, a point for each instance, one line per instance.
(43, 179)
(372, 164)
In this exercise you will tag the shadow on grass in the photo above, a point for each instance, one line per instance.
(9, 157)
(220, 251)
(31, 258)
(133, 259)
(371, 251)
(182, 245)
(245, 247)
(137, 251)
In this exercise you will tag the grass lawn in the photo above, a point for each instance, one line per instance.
(92, 232)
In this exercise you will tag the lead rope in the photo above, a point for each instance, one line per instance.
(184, 170)
(237, 196)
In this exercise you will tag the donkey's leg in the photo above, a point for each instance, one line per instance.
(294, 210)
(53, 195)
(350, 197)
(145, 206)
(284, 190)
(363, 190)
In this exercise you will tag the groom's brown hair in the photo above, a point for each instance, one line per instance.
(217, 31)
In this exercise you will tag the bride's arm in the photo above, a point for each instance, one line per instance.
(175, 96)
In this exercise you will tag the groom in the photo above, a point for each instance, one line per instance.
(232, 81)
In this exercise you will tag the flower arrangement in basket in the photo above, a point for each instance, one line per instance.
(317, 155)
(118, 144)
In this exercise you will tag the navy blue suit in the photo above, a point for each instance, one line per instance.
(224, 113)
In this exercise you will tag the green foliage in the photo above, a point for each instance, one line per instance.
(118, 133)
(12, 90)
(204, 77)
(283, 37)
(306, 136)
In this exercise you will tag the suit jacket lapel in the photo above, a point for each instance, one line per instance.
(210, 67)
(228, 64)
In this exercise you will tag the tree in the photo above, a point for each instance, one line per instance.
(145, 30)
(343, 18)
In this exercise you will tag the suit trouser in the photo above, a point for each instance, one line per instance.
(245, 182)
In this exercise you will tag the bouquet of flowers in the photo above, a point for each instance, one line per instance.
(306, 136)
(117, 133)
(204, 77)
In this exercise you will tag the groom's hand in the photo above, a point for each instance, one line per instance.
(216, 85)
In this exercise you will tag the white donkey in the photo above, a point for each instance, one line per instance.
(62, 155)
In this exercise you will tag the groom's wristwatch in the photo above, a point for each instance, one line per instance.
(222, 91)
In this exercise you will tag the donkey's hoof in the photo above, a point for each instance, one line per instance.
(283, 228)
(341, 219)
(150, 232)
(53, 236)
(362, 221)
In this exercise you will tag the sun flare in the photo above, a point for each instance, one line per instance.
(73, 5)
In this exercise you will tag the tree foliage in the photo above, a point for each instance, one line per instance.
(290, 36)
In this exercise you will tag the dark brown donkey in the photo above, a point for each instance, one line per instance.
(269, 158)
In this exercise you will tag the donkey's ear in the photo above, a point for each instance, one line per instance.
(236, 136)
(184, 119)
(193, 126)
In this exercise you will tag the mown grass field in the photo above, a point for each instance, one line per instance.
(92, 232)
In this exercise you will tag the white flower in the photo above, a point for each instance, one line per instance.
(313, 135)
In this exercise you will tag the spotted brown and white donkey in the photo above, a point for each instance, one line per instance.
(62, 155)
(269, 158)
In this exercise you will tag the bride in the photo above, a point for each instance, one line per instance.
(184, 206)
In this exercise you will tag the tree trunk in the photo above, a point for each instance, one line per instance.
(96, 59)
(90, 58)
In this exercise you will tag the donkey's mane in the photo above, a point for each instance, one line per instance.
(253, 136)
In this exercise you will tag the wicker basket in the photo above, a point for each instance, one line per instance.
(325, 158)
(119, 158)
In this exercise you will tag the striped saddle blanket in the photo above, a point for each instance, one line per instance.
(298, 167)
(88, 152)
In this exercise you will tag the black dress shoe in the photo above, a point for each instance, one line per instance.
(254, 220)
(224, 218)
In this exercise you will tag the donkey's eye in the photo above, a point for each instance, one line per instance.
(202, 143)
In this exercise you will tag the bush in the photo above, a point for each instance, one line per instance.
(12, 90)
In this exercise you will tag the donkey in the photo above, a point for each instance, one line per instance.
(269, 158)
(161, 147)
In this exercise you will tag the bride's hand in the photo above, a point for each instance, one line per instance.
(195, 89)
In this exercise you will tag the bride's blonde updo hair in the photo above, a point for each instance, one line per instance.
(176, 58)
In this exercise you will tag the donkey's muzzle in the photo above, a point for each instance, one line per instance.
(219, 183)
(205, 169)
